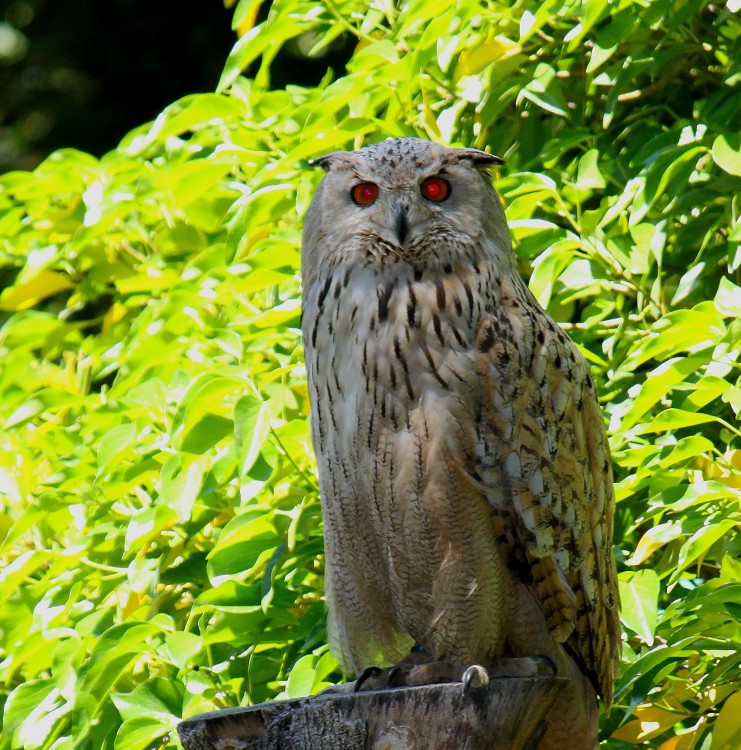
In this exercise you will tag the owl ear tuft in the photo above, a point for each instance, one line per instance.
(327, 161)
(479, 158)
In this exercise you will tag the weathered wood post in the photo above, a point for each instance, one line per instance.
(507, 715)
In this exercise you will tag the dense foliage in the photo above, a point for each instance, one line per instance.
(160, 532)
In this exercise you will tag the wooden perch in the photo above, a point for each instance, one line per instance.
(505, 716)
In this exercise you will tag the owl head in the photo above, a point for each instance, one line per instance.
(406, 200)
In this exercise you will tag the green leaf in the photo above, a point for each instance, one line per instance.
(654, 539)
(591, 12)
(639, 596)
(699, 543)
(256, 43)
(727, 153)
(151, 394)
(687, 448)
(204, 434)
(608, 40)
(202, 418)
(245, 542)
(140, 733)
(18, 570)
(544, 90)
(230, 596)
(191, 180)
(155, 700)
(252, 421)
(671, 171)
(658, 384)
(728, 298)
(146, 525)
(302, 677)
(676, 419)
(183, 648)
(706, 389)
(181, 479)
(678, 331)
(32, 712)
(111, 658)
(588, 175)
(114, 444)
(31, 291)
(194, 113)
(727, 727)
(688, 283)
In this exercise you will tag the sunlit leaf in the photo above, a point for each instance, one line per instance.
(588, 175)
(699, 543)
(114, 444)
(727, 153)
(728, 298)
(252, 420)
(676, 419)
(655, 538)
(639, 594)
(29, 293)
(545, 91)
(727, 729)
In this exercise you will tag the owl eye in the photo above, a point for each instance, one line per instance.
(435, 189)
(364, 193)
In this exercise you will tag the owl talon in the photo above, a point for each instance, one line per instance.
(364, 676)
(392, 674)
(475, 678)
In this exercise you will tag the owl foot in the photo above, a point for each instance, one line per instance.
(473, 677)
(418, 669)
(374, 678)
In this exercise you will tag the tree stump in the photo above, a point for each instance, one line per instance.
(507, 715)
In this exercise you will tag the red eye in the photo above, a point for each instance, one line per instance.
(365, 193)
(435, 189)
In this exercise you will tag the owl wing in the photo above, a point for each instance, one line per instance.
(544, 459)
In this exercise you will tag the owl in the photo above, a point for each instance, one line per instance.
(464, 469)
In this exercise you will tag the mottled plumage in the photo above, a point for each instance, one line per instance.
(463, 464)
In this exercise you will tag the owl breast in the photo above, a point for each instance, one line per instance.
(394, 395)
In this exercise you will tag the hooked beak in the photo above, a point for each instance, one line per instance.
(401, 222)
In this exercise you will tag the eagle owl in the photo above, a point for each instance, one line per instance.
(463, 465)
